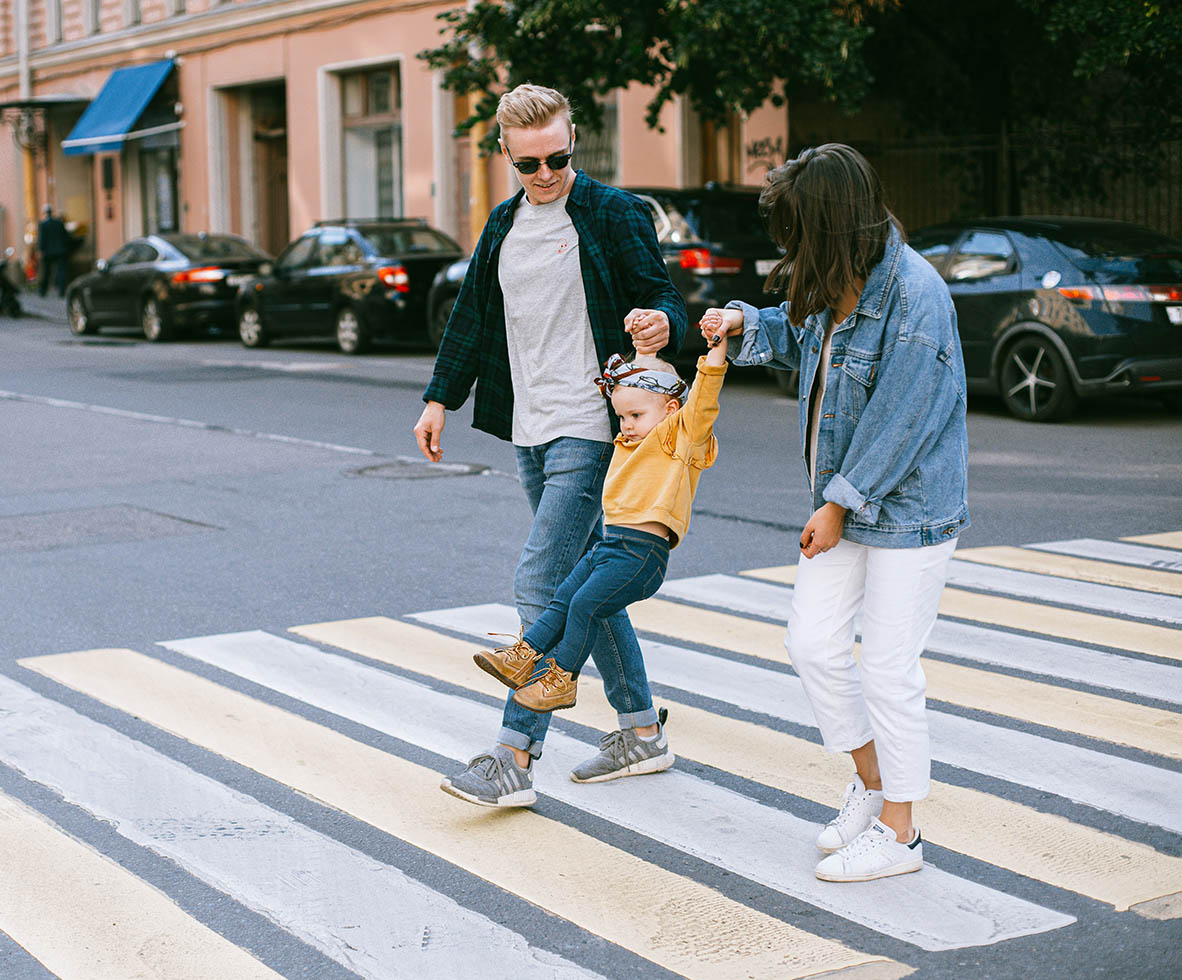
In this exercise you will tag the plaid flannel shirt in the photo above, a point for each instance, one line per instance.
(622, 269)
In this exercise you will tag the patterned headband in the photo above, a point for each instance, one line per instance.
(619, 372)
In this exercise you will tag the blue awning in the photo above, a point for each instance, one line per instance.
(114, 115)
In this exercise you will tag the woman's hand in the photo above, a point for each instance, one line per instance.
(716, 325)
(823, 530)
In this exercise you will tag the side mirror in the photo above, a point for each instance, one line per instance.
(101, 265)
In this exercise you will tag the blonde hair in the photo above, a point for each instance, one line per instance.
(530, 107)
(654, 363)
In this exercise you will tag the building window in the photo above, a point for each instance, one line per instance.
(93, 16)
(53, 21)
(132, 13)
(371, 152)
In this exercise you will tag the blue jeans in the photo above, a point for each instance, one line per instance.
(563, 481)
(625, 567)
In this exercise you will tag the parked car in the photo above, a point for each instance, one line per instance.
(360, 280)
(167, 283)
(1056, 309)
(715, 247)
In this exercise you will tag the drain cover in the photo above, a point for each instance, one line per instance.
(413, 469)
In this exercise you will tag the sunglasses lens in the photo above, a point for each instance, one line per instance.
(528, 166)
(558, 161)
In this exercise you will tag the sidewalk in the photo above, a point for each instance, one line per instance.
(49, 307)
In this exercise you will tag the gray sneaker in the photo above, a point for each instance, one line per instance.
(493, 779)
(624, 753)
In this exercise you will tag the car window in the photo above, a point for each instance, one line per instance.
(404, 241)
(337, 247)
(299, 253)
(144, 253)
(202, 248)
(677, 228)
(982, 254)
(934, 246)
(729, 218)
(124, 255)
(1121, 253)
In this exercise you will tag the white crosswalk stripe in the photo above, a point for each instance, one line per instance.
(375, 919)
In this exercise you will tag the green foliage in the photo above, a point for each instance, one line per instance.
(723, 55)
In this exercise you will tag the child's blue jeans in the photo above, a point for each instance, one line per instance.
(625, 567)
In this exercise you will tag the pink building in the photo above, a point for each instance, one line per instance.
(259, 117)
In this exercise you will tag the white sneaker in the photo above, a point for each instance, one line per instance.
(874, 853)
(860, 806)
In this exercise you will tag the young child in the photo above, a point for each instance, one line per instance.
(660, 453)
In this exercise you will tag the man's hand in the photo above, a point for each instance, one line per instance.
(429, 430)
(716, 325)
(823, 530)
(649, 330)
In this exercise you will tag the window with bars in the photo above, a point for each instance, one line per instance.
(371, 123)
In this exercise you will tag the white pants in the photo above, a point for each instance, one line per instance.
(882, 699)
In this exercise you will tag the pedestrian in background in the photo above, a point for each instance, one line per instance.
(53, 251)
(566, 272)
(872, 329)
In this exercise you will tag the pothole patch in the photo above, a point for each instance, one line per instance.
(413, 469)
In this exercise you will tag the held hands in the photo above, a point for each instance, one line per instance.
(716, 325)
(823, 530)
(429, 429)
(649, 330)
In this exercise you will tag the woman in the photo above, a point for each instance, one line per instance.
(872, 329)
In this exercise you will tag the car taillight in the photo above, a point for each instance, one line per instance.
(395, 277)
(1122, 294)
(703, 262)
(206, 274)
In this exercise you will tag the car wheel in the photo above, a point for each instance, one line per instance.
(152, 321)
(1034, 381)
(79, 319)
(351, 333)
(251, 331)
(788, 382)
(437, 325)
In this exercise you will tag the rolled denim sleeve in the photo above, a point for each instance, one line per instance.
(768, 338)
(908, 409)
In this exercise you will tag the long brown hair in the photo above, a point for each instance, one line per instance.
(825, 209)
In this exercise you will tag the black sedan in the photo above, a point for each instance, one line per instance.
(167, 283)
(357, 280)
(1052, 310)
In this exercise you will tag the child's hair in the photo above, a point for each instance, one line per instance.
(826, 210)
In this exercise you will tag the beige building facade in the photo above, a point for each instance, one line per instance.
(272, 114)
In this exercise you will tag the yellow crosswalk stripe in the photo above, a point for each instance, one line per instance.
(1081, 569)
(86, 918)
(1110, 719)
(684, 926)
(1170, 539)
(1082, 627)
(1042, 846)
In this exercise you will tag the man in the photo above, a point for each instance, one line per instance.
(566, 273)
(53, 248)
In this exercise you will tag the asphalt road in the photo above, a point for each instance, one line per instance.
(154, 492)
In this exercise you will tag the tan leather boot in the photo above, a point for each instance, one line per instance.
(512, 665)
(554, 689)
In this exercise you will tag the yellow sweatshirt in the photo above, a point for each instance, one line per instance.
(655, 478)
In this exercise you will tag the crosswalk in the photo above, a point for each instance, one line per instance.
(296, 777)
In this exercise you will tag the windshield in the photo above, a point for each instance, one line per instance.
(1123, 254)
(729, 218)
(201, 248)
(405, 241)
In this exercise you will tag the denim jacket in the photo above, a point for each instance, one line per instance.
(891, 447)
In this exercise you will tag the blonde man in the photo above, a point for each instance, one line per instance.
(566, 272)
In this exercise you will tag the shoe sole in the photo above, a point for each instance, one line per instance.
(523, 797)
(544, 711)
(658, 763)
(490, 668)
(895, 869)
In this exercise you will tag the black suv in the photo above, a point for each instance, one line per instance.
(358, 279)
(714, 244)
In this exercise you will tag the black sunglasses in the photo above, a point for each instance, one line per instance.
(555, 161)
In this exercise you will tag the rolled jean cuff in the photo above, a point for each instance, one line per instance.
(906, 795)
(637, 719)
(847, 744)
(519, 740)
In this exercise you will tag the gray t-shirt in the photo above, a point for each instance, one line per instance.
(818, 396)
(552, 357)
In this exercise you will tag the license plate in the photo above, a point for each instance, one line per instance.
(1174, 313)
(763, 267)
(236, 280)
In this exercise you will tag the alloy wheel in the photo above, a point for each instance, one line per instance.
(250, 328)
(151, 320)
(350, 334)
(79, 320)
(1034, 381)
